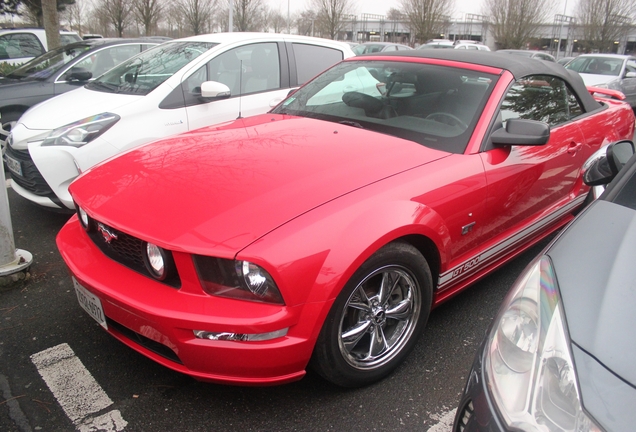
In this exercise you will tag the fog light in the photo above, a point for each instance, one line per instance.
(155, 261)
(240, 337)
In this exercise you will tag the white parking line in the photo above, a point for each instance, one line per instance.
(76, 390)
(445, 422)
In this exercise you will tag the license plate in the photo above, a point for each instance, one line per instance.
(14, 165)
(90, 303)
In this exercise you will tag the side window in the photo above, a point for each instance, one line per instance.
(541, 98)
(630, 66)
(19, 45)
(255, 66)
(313, 59)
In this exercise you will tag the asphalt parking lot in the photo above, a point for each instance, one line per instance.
(41, 319)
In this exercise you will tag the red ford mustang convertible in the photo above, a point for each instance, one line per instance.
(323, 233)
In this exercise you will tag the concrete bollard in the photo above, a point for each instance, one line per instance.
(14, 263)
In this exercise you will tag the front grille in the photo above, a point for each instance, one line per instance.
(125, 249)
(31, 179)
(149, 344)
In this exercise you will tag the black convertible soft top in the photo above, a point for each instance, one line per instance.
(518, 66)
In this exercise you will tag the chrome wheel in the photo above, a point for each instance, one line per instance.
(379, 317)
(376, 318)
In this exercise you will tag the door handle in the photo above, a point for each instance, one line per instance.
(573, 148)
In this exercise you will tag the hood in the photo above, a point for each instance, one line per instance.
(23, 89)
(72, 106)
(594, 265)
(217, 189)
(592, 80)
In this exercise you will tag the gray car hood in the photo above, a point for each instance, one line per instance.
(595, 265)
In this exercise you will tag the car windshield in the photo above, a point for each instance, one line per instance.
(143, 73)
(436, 106)
(596, 65)
(48, 63)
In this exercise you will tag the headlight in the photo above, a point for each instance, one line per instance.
(82, 131)
(528, 362)
(236, 279)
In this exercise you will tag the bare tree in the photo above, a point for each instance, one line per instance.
(277, 21)
(426, 18)
(305, 22)
(514, 22)
(603, 22)
(249, 15)
(394, 14)
(118, 13)
(175, 20)
(147, 14)
(331, 15)
(197, 14)
(75, 16)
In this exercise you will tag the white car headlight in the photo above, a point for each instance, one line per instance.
(528, 362)
(82, 131)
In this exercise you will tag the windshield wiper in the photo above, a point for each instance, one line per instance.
(351, 123)
(110, 87)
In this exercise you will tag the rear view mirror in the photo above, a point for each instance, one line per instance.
(214, 90)
(522, 132)
(605, 164)
(78, 74)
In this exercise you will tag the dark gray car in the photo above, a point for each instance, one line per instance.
(559, 355)
(58, 71)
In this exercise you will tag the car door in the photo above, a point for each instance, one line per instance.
(255, 76)
(531, 186)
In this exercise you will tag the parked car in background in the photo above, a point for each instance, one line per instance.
(612, 71)
(323, 232)
(444, 44)
(529, 53)
(559, 355)
(58, 71)
(565, 60)
(376, 47)
(22, 44)
(168, 89)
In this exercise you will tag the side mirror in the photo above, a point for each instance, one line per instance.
(522, 132)
(213, 90)
(605, 164)
(78, 74)
(630, 75)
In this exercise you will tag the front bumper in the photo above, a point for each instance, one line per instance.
(158, 320)
(476, 412)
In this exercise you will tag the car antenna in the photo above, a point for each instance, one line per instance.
(240, 89)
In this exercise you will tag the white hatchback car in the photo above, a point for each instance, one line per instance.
(177, 86)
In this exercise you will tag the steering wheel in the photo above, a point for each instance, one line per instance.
(447, 118)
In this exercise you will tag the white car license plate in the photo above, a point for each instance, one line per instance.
(14, 165)
(90, 303)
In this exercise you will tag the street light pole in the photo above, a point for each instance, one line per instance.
(13, 262)
(565, 8)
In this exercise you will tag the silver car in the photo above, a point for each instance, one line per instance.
(611, 71)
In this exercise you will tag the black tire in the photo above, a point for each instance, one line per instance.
(368, 332)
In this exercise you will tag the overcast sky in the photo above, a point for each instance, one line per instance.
(380, 7)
